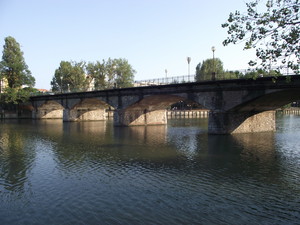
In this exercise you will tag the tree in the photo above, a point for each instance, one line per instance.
(274, 32)
(110, 70)
(119, 73)
(96, 74)
(70, 76)
(17, 95)
(73, 76)
(232, 74)
(15, 72)
(13, 67)
(205, 70)
(76, 79)
(124, 73)
(261, 73)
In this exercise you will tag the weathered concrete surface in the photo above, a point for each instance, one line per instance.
(48, 110)
(241, 122)
(48, 114)
(140, 117)
(83, 115)
(150, 110)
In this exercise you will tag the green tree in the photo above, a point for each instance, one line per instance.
(17, 95)
(14, 70)
(232, 74)
(205, 69)
(110, 73)
(77, 80)
(124, 73)
(119, 73)
(272, 28)
(96, 75)
(80, 76)
(261, 73)
(13, 67)
(70, 76)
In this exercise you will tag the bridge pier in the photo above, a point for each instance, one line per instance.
(241, 122)
(76, 114)
(123, 117)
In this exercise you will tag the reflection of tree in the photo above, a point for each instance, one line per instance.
(79, 143)
(15, 161)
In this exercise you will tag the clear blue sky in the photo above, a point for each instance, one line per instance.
(153, 35)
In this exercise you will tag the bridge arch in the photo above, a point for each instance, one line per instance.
(49, 110)
(150, 110)
(267, 101)
(254, 114)
(85, 110)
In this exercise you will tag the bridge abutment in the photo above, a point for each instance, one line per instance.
(123, 117)
(241, 122)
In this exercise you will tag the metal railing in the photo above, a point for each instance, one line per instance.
(238, 74)
(165, 81)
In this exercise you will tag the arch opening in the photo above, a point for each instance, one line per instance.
(151, 110)
(49, 110)
(91, 109)
(255, 115)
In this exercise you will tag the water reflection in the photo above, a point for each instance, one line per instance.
(181, 144)
(15, 159)
(259, 157)
(149, 135)
(150, 175)
(100, 144)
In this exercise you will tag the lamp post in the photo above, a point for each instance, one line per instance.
(61, 84)
(166, 72)
(114, 76)
(188, 60)
(213, 75)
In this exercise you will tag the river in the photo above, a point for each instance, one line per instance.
(94, 173)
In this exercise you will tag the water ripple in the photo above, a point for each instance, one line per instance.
(92, 174)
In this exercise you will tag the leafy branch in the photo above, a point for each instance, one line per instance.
(273, 29)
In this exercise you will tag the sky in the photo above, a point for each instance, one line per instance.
(153, 35)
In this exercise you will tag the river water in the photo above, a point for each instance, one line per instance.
(93, 173)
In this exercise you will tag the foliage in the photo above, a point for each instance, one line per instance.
(96, 72)
(261, 73)
(272, 29)
(72, 76)
(16, 95)
(124, 73)
(205, 69)
(119, 73)
(13, 67)
(15, 72)
(232, 75)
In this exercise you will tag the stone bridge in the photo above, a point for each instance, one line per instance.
(236, 106)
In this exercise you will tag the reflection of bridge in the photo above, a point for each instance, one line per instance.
(236, 106)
